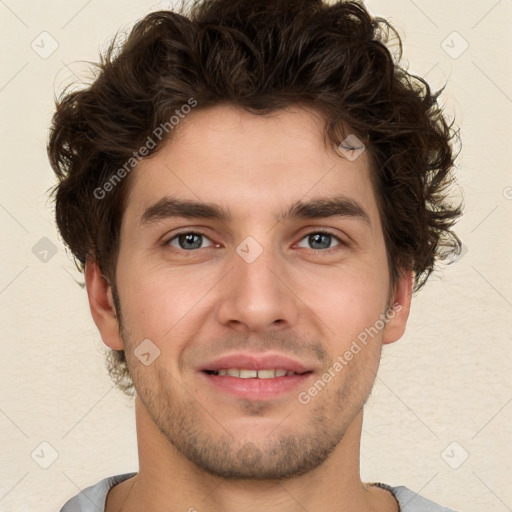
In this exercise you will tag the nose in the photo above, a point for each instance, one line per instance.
(258, 296)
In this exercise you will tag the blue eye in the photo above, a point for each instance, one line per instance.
(321, 239)
(188, 241)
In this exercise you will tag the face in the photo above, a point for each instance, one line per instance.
(266, 286)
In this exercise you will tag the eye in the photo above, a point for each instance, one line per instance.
(188, 241)
(321, 240)
(191, 240)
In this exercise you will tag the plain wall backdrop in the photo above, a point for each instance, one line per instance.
(439, 419)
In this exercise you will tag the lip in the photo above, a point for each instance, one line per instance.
(254, 388)
(253, 361)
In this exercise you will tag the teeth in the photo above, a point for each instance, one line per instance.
(244, 373)
(267, 374)
(248, 374)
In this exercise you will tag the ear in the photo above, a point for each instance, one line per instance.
(399, 308)
(102, 306)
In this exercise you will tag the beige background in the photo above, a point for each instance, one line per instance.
(448, 380)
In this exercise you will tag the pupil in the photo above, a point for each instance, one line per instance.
(314, 239)
(188, 238)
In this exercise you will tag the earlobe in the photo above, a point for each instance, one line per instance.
(399, 309)
(101, 303)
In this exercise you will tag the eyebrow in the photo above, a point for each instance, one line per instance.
(340, 206)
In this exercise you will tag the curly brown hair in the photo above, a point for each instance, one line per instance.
(260, 55)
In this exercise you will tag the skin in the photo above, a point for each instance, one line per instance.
(202, 448)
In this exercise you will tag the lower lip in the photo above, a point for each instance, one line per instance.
(256, 389)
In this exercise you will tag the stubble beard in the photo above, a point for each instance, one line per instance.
(195, 432)
(289, 450)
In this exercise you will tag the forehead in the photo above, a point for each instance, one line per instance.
(250, 165)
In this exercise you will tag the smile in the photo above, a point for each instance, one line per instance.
(243, 373)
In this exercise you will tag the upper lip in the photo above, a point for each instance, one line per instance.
(246, 360)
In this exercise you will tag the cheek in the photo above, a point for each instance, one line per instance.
(162, 306)
(154, 298)
(351, 310)
(348, 298)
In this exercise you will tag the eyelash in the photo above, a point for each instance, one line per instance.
(341, 243)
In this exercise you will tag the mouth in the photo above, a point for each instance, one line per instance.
(255, 385)
(255, 377)
(245, 373)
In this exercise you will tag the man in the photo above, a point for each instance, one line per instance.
(254, 190)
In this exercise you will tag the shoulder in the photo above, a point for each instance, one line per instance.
(411, 501)
(92, 499)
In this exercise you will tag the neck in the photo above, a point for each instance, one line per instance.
(168, 481)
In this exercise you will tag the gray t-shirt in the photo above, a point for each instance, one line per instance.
(92, 499)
